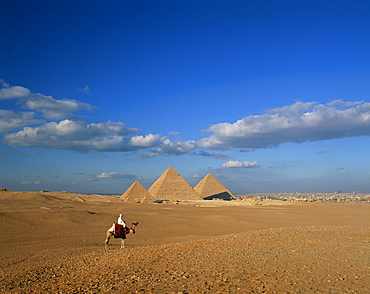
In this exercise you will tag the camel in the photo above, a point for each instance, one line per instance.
(119, 232)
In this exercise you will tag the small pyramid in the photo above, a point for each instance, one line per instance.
(209, 188)
(172, 186)
(137, 193)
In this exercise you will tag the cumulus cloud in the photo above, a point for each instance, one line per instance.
(149, 140)
(112, 175)
(244, 164)
(167, 147)
(14, 93)
(10, 120)
(213, 154)
(55, 109)
(76, 135)
(299, 122)
(48, 106)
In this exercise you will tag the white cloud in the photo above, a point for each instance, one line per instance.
(14, 92)
(55, 109)
(213, 154)
(145, 141)
(115, 175)
(9, 120)
(299, 122)
(70, 133)
(178, 147)
(112, 175)
(244, 164)
(48, 106)
(167, 148)
(75, 135)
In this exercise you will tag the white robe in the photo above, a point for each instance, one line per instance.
(120, 221)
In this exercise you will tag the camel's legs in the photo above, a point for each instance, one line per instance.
(109, 235)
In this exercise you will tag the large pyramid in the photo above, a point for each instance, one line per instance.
(209, 188)
(172, 186)
(137, 193)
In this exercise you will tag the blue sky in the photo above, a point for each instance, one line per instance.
(268, 96)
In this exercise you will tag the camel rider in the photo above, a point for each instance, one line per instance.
(120, 221)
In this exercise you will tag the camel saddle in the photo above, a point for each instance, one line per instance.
(120, 231)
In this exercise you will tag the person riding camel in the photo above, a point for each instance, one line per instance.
(120, 230)
(120, 221)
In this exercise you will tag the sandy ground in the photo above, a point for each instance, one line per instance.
(54, 243)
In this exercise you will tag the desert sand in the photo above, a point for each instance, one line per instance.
(53, 242)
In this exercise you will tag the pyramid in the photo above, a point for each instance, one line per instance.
(172, 186)
(209, 188)
(137, 193)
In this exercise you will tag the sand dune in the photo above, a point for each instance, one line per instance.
(53, 242)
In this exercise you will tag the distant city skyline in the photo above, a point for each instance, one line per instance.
(268, 97)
